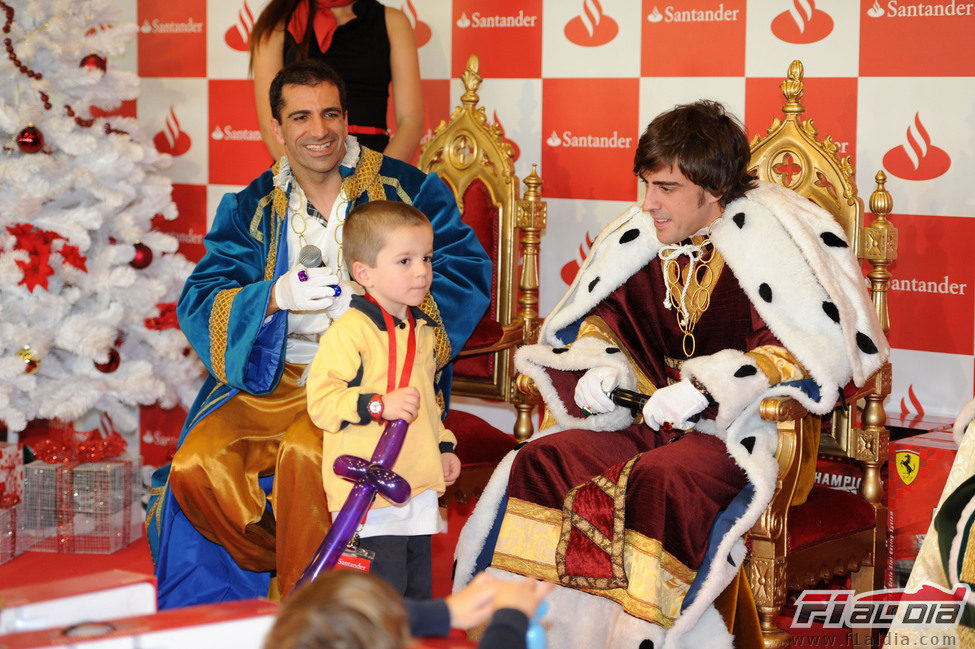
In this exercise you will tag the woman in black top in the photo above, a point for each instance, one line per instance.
(368, 44)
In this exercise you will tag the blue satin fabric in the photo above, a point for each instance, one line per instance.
(190, 569)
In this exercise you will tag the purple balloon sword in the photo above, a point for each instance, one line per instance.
(370, 476)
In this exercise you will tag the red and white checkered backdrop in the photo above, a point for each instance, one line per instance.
(573, 82)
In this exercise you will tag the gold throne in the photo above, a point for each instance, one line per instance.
(477, 163)
(810, 534)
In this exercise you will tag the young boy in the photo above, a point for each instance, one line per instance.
(374, 364)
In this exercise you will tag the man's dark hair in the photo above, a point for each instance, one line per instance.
(707, 144)
(309, 72)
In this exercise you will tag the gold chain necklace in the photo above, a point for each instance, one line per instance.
(689, 292)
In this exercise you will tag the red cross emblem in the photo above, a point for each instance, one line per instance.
(787, 168)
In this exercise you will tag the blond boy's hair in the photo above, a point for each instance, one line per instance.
(368, 225)
(341, 609)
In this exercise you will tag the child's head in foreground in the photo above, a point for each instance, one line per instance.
(388, 248)
(341, 609)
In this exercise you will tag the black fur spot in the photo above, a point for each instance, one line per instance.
(749, 444)
(560, 350)
(832, 240)
(629, 235)
(730, 560)
(592, 284)
(765, 292)
(519, 445)
(739, 219)
(831, 311)
(746, 370)
(646, 644)
(612, 350)
(865, 344)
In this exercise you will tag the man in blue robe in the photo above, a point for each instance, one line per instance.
(253, 311)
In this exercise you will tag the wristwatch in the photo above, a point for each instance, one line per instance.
(375, 407)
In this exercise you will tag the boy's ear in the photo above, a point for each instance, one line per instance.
(360, 273)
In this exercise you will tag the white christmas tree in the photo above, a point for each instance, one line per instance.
(87, 288)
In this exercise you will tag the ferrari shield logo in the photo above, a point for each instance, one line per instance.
(908, 462)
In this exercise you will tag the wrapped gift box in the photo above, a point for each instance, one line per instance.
(917, 469)
(82, 507)
(11, 474)
(235, 625)
(61, 602)
(8, 533)
(11, 494)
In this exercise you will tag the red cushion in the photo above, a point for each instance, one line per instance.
(828, 514)
(481, 214)
(487, 332)
(477, 441)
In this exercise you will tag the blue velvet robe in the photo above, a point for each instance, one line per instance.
(246, 252)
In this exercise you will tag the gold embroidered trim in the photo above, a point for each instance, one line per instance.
(611, 546)
(441, 343)
(219, 326)
(400, 192)
(278, 220)
(366, 173)
(255, 227)
(155, 512)
(658, 582)
(777, 364)
(967, 572)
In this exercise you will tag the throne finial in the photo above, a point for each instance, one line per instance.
(472, 81)
(792, 89)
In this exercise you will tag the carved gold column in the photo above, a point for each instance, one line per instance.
(531, 219)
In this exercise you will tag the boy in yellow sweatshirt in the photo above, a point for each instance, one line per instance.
(374, 364)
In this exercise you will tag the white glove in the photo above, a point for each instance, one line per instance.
(341, 303)
(317, 292)
(674, 404)
(593, 388)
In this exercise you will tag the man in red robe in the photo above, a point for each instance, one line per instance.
(716, 293)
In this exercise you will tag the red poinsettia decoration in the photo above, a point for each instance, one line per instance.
(37, 244)
(166, 318)
(73, 256)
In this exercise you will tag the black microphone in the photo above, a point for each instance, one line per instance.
(629, 399)
(311, 257)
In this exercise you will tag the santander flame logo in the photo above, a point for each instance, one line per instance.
(421, 30)
(918, 159)
(592, 28)
(238, 37)
(876, 11)
(912, 409)
(172, 139)
(803, 23)
(571, 269)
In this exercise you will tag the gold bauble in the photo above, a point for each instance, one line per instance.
(32, 361)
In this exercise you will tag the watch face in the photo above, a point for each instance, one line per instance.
(375, 406)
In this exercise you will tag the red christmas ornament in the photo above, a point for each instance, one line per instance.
(143, 256)
(111, 364)
(30, 140)
(94, 62)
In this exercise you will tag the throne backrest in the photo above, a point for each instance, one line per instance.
(477, 162)
(792, 154)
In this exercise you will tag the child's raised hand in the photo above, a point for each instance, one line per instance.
(525, 595)
(451, 467)
(401, 404)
